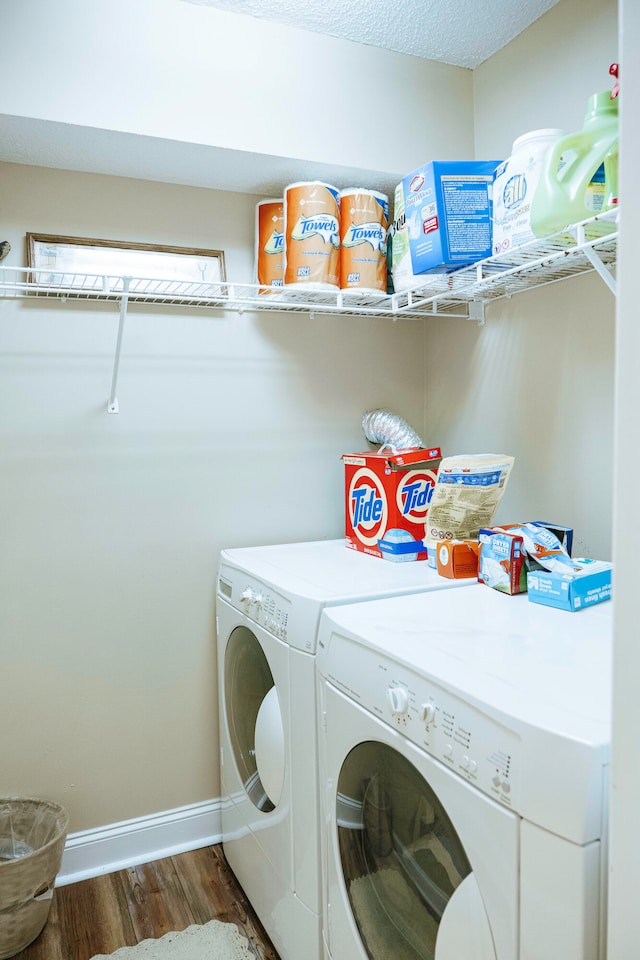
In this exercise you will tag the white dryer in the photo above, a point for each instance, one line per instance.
(269, 601)
(464, 743)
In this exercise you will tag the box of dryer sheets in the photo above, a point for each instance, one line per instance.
(502, 561)
(520, 554)
(448, 208)
(564, 534)
(572, 591)
(387, 497)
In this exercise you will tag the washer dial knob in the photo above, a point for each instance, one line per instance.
(428, 713)
(398, 700)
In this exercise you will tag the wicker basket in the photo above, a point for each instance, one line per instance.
(32, 839)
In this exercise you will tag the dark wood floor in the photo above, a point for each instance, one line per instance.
(120, 909)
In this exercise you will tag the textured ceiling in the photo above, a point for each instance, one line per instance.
(460, 32)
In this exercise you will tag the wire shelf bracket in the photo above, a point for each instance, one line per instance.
(112, 405)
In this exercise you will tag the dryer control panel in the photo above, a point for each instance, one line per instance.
(294, 620)
(258, 602)
(475, 746)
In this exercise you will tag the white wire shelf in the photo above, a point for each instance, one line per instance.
(16, 282)
(582, 248)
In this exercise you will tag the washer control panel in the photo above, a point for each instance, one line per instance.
(458, 734)
(258, 602)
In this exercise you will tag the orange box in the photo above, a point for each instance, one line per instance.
(457, 559)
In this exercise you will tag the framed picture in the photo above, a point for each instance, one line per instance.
(78, 262)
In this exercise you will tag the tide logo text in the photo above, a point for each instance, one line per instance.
(416, 496)
(367, 508)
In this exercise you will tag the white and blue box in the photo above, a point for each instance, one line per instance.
(591, 585)
(448, 208)
(564, 534)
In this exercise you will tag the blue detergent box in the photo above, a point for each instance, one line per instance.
(591, 585)
(448, 208)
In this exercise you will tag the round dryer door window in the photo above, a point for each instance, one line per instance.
(254, 719)
(410, 886)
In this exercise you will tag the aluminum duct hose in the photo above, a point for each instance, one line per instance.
(381, 426)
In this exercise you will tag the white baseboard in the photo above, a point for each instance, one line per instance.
(91, 853)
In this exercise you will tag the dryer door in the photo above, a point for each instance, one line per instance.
(424, 867)
(403, 863)
(254, 719)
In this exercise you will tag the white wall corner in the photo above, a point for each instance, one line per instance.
(91, 853)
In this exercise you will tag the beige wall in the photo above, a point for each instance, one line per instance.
(537, 381)
(230, 433)
(544, 76)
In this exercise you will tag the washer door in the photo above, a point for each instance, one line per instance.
(254, 719)
(409, 883)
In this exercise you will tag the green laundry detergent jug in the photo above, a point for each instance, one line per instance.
(572, 168)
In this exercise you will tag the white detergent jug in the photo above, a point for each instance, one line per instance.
(514, 187)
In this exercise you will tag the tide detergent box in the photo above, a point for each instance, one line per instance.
(387, 496)
(448, 209)
(502, 561)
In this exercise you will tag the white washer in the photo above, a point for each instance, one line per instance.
(464, 743)
(268, 610)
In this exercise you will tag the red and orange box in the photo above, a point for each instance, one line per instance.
(387, 497)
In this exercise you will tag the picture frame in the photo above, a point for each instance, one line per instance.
(82, 262)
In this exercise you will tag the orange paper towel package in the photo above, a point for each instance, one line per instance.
(311, 237)
(269, 244)
(364, 221)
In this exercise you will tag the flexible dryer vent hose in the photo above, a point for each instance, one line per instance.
(381, 426)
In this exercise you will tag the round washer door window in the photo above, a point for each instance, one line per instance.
(407, 877)
(254, 719)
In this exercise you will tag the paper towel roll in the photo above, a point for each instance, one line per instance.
(364, 220)
(269, 244)
(311, 236)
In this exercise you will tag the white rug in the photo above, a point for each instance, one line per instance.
(207, 941)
